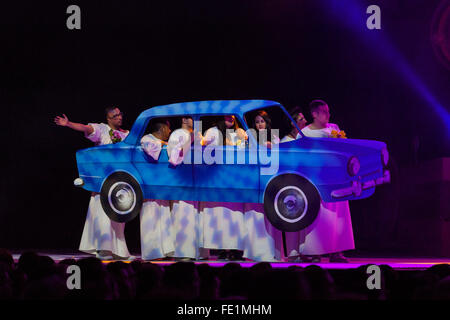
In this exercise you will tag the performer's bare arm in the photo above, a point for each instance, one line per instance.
(64, 122)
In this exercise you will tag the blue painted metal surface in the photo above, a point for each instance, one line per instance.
(323, 161)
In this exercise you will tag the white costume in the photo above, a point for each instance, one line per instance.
(287, 138)
(157, 240)
(151, 145)
(101, 233)
(319, 133)
(332, 231)
(185, 222)
(184, 214)
(222, 222)
(178, 146)
(263, 242)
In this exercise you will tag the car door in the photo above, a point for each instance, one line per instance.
(232, 177)
(162, 180)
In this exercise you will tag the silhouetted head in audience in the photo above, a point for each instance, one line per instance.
(150, 277)
(96, 282)
(181, 280)
(234, 281)
(7, 258)
(320, 282)
(124, 276)
(209, 283)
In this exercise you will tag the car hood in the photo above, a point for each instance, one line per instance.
(353, 146)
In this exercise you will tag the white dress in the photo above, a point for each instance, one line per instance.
(101, 233)
(222, 222)
(157, 240)
(332, 230)
(185, 215)
(263, 242)
(185, 223)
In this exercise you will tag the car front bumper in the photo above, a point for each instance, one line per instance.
(357, 187)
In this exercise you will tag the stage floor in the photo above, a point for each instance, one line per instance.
(395, 263)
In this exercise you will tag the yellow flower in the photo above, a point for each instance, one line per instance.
(338, 134)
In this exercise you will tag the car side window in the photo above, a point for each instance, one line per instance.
(273, 119)
(225, 130)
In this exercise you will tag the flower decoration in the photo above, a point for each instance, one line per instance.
(115, 136)
(338, 134)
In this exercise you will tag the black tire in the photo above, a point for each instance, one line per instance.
(121, 197)
(291, 202)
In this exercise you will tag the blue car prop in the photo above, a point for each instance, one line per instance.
(308, 170)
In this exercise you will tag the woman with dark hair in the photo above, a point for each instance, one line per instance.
(263, 126)
(263, 242)
(300, 120)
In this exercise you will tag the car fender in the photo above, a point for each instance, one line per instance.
(288, 172)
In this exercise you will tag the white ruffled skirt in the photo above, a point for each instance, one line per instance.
(263, 242)
(101, 233)
(157, 238)
(222, 225)
(331, 232)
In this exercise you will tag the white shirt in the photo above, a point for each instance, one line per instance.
(101, 136)
(288, 138)
(180, 140)
(214, 137)
(151, 145)
(320, 133)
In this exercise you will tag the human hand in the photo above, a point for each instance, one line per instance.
(61, 121)
(242, 135)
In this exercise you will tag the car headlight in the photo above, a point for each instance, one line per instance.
(384, 157)
(353, 166)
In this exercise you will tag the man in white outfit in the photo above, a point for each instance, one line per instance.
(331, 232)
(101, 235)
(186, 218)
(157, 239)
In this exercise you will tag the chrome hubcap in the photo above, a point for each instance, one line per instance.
(122, 197)
(291, 204)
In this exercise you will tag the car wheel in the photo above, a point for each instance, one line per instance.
(291, 202)
(121, 197)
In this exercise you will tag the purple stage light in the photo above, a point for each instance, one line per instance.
(352, 15)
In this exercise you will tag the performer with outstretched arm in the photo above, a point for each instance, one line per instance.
(101, 236)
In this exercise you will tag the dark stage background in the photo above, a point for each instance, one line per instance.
(138, 54)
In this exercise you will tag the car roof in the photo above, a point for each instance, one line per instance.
(212, 107)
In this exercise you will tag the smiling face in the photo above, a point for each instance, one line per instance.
(260, 123)
(115, 118)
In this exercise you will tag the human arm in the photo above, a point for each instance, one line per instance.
(64, 122)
